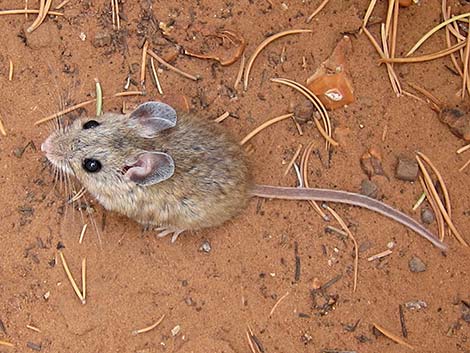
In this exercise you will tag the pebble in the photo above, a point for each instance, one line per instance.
(175, 330)
(369, 188)
(102, 39)
(417, 265)
(205, 246)
(407, 169)
(416, 305)
(427, 215)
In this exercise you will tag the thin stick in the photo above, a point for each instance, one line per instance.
(435, 208)
(142, 65)
(113, 14)
(43, 10)
(465, 62)
(393, 43)
(31, 327)
(419, 201)
(435, 29)
(2, 128)
(240, 72)
(380, 255)
(147, 329)
(61, 5)
(388, 19)
(171, 67)
(83, 104)
(432, 189)
(356, 248)
(84, 279)
(323, 133)
(118, 20)
(449, 28)
(264, 126)
(463, 149)
(99, 98)
(10, 71)
(317, 10)
(297, 125)
(70, 277)
(277, 303)
(393, 337)
(428, 95)
(155, 76)
(82, 233)
(427, 57)
(262, 46)
(391, 72)
(292, 161)
(27, 11)
(222, 117)
(6, 344)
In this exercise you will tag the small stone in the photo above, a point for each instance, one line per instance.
(407, 169)
(416, 305)
(34, 346)
(175, 330)
(369, 188)
(47, 295)
(371, 162)
(205, 247)
(303, 111)
(102, 39)
(427, 215)
(416, 265)
(466, 317)
(82, 36)
(316, 283)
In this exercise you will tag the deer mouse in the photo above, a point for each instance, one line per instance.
(176, 172)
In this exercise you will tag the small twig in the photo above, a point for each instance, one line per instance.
(356, 247)
(239, 77)
(427, 57)
(297, 125)
(31, 327)
(70, 277)
(149, 328)
(465, 62)
(393, 337)
(317, 10)
(419, 201)
(292, 161)
(143, 66)
(380, 255)
(222, 117)
(99, 98)
(82, 233)
(171, 67)
(80, 105)
(466, 164)
(28, 11)
(61, 5)
(435, 208)
(118, 19)
(265, 125)
(6, 344)
(10, 71)
(463, 149)
(113, 14)
(43, 10)
(262, 46)
(404, 331)
(84, 279)
(277, 303)
(369, 11)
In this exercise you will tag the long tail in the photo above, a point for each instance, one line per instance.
(350, 198)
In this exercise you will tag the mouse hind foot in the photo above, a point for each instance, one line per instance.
(167, 231)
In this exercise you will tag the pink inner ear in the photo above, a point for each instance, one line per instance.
(152, 117)
(151, 168)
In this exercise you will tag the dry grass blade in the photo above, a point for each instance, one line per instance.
(356, 248)
(465, 62)
(466, 164)
(82, 233)
(262, 46)
(252, 341)
(292, 161)
(222, 117)
(369, 11)
(264, 126)
(435, 208)
(118, 19)
(433, 100)
(148, 328)
(277, 304)
(433, 191)
(155, 76)
(391, 72)
(27, 11)
(43, 10)
(380, 255)
(393, 39)
(317, 10)
(316, 103)
(434, 30)
(83, 104)
(84, 279)
(2, 128)
(6, 344)
(31, 327)
(427, 57)
(239, 77)
(449, 30)
(393, 337)
(171, 67)
(61, 5)
(323, 133)
(71, 279)
(113, 14)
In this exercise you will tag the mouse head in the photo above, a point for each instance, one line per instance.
(111, 150)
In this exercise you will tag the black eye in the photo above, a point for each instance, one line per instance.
(91, 165)
(90, 124)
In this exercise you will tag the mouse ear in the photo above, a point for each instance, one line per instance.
(152, 117)
(151, 168)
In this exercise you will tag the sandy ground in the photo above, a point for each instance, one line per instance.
(134, 278)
